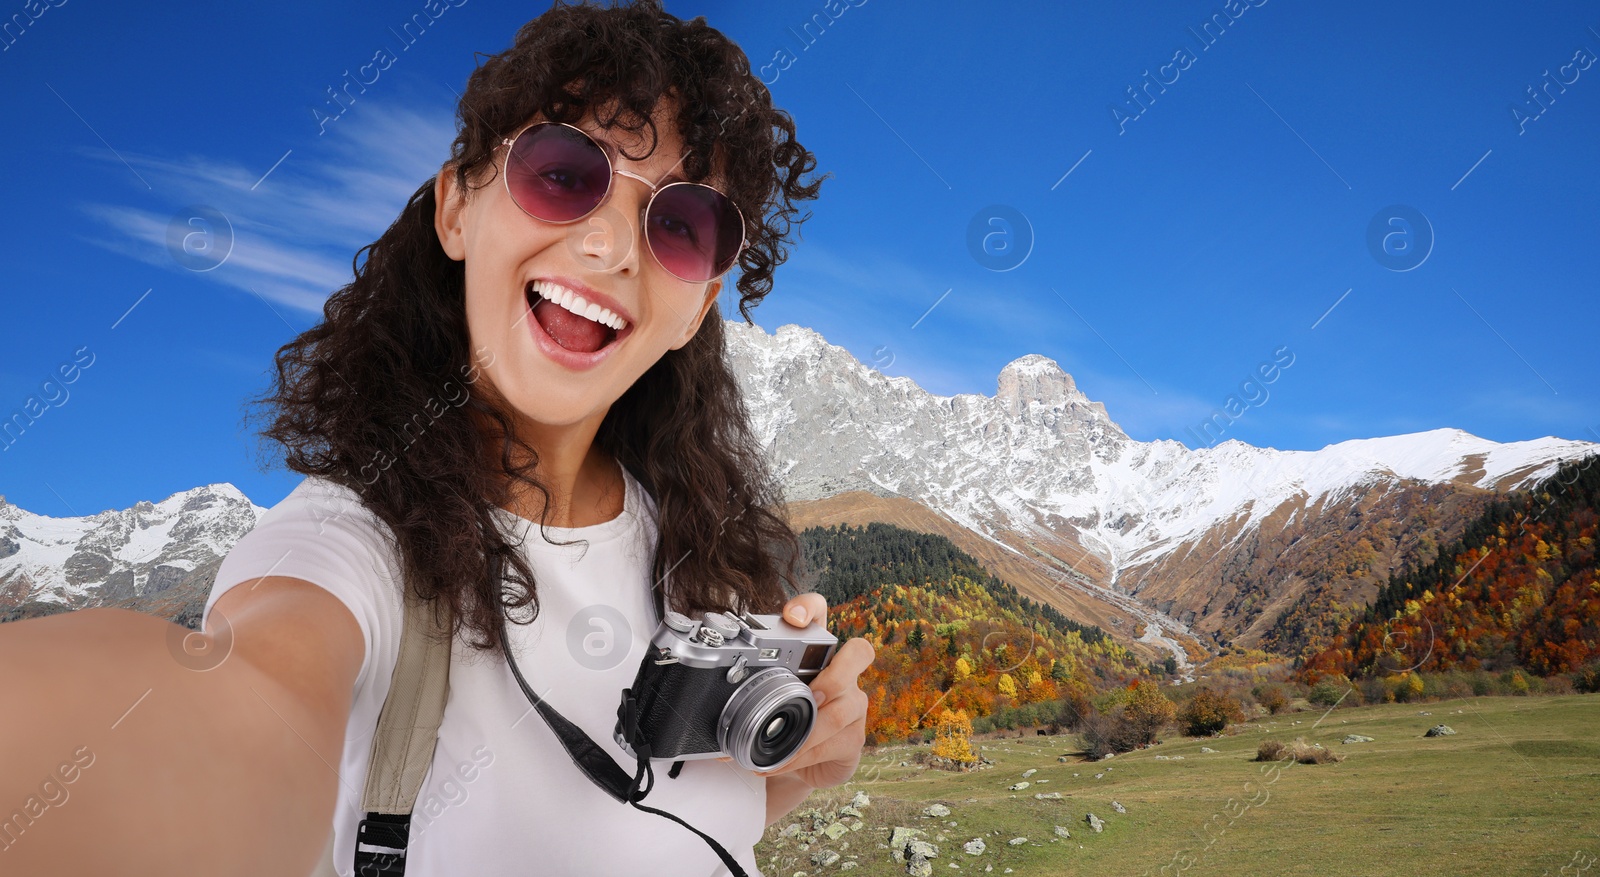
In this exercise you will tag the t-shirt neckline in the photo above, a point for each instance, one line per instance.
(603, 531)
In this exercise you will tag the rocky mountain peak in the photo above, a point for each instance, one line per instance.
(1037, 378)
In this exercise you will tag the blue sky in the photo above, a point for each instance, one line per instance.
(1159, 250)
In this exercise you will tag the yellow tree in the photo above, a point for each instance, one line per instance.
(1008, 687)
(953, 736)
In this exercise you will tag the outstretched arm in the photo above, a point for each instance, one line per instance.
(125, 754)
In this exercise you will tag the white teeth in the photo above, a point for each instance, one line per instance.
(577, 305)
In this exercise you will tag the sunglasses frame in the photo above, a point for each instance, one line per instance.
(644, 212)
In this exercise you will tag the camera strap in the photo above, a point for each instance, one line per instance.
(599, 766)
(403, 746)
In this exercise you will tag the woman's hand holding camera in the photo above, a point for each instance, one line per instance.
(833, 751)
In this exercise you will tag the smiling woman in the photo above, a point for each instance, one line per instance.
(559, 278)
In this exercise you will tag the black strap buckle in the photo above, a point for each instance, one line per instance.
(388, 830)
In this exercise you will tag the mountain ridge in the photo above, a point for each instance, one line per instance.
(1209, 544)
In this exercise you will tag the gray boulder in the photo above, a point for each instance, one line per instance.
(1440, 731)
(1096, 824)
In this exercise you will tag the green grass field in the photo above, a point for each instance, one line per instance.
(1516, 791)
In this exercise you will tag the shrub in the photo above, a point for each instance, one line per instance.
(1299, 750)
(1587, 679)
(1209, 712)
(1102, 735)
(1326, 693)
(1271, 697)
(1269, 750)
(1148, 711)
(1075, 703)
(1374, 691)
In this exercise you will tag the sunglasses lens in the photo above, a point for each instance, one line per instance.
(556, 173)
(694, 231)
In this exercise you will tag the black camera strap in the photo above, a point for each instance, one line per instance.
(597, 765)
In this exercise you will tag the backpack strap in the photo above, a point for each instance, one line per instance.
(402, 747)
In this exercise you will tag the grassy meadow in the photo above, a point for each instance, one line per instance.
(1515, 791)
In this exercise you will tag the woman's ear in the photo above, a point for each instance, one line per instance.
(447, 214)
(712, 292)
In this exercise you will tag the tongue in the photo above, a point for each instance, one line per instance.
(569, 330)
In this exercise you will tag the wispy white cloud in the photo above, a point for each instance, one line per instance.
(296, 229)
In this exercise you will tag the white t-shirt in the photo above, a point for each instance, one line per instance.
(502, 796)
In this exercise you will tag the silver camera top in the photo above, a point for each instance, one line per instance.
(744, 643)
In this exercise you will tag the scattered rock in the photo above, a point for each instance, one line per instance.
(1207, 749)
(1017, 841)
(1440, 731)
(1162, 758)
(1174, 758)
(1095, 823)
(1118, 807)
(1061, 831)
(1424, 713)
(1047, 795)
(856, 826)
(1017, 787)
(1029, 772)
(847, 810)
(936, 810)
(790, 830)
(1099, 775)
(1357, 738)
(861, 799)
(1061, 758)
(824, 858)
(836, 831)
(974, 847)
(900, 838)
(847, 865)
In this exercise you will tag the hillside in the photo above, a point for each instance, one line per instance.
(949, 634)
(1518, 589)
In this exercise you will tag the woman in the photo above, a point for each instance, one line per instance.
(474, 431)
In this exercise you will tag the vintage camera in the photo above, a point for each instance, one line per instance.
(726, 684)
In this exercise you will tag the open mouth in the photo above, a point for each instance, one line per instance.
(575, 324)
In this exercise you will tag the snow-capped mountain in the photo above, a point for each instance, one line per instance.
(119, 555)
(1038, 465)
(1231, 543)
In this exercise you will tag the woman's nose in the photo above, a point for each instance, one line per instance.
(610, 240)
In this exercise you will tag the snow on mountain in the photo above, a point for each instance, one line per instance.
(1039, 450)
(131, 552)
(1034, 466)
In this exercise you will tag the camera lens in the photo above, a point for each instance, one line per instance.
(767, 719)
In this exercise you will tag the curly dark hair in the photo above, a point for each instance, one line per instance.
(361, 390)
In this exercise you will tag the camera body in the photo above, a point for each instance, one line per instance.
(726, 684)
